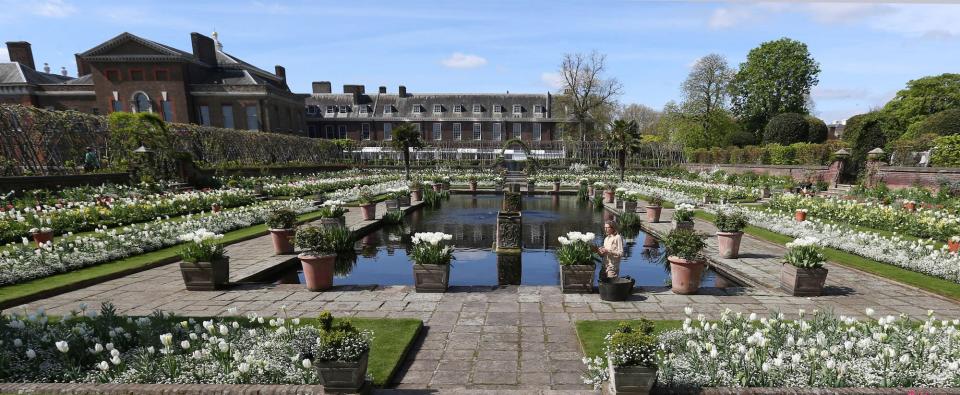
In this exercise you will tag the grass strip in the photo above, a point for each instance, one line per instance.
(925, 282)
(392, 339)
(12, 294)
(591, 333)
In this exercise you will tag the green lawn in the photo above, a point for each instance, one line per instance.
(10, 294)
(592, 333)
(392, 338)
(928, 283)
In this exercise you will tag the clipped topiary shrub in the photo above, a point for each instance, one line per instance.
(742, 138)
(816, 129)
(786, 129)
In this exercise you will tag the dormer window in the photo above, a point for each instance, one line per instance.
(343, 109)
(364, 110)
(387, 110)
(538, 109)
(417, 109)
(437, 109)
(312, 110)
(477, 108)
(457, 109)
(497, 109)
(517, 109)
(331, 109)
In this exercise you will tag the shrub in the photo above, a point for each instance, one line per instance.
(282, 219)
(742, 138)
(684, 243)
(323, 241)
(786, 129)
(946, 152)
(730, 221)
(628, 346)
(816, 130)
(780, 155)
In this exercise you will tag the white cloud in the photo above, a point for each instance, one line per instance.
(552, 79)
(845, 12)
(52, 8)
(723, 18)
(463, 61)
(4, 56)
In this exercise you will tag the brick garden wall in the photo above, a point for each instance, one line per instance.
(799, 173)
(903, 177)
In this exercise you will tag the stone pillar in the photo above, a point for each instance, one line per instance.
(509, 231)
(509, 268)
(835, 171)
(874, 163)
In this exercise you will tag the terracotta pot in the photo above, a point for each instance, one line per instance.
(416, 195)
(910, 206)
(688, 225)
(685, 275)
(800, 216)
(369, 211)
(729, 244)
(282, 240)
(802, 281)
(206, 276)
(437, 187)
(576, 278)
(608, 196)
(473, 185)
(342, 377)
(42, 238)
(318, 271)
(556, 186)
(653, 214)
(954, 246)
(431, 278)
(215, 207)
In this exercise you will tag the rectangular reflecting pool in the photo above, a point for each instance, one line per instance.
(381, 257)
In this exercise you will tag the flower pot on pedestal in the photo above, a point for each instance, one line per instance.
(41, 237)
(556, 186)
(333, 222)
(800, 216)
(631, 379)
(688, 225)
(473, 186)
(653, 213)
(629, 206)
(608, 196)
(416, 195)
(369, 211)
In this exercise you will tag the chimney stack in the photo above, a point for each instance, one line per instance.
(46, 68)
(21, 52)
(355, 90)
(402, 91)
(321, 87)
(63, 71)
(281, 72)
(383, 90)
(204, 49)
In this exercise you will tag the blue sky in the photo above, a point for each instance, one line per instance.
(867, 50)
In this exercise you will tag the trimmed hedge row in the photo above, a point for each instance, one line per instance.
(770, 154)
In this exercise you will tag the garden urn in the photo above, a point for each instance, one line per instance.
(729, 244)
(431, 278)
(631, 379)
(800, 215)
(42, 237)
(282, 240)
(342, 376)
(608, 196)
(369, 211)
(765, 193)
(416, 195)
(318, 271)
(205, 276)
(798, 281)
(653, 213)
(576, 278)
(403, 201)
(473, 185)
(685, 274)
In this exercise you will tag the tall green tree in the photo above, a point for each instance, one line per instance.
(623, 139)
(921, 98)
(406, 137)
(776, 78)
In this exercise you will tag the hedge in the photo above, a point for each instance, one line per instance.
(946, 152)
(771, 154)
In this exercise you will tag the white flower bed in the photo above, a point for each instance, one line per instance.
(20, 262)
(819, 351)
(352, 194)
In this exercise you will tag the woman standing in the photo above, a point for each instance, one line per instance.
(611, 251)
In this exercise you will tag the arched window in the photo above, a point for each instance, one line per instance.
(141, 103)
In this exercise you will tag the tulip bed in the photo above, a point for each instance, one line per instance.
(104, 347)
(816, 350)
(303, 185)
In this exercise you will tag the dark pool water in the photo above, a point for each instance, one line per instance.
(381, 257)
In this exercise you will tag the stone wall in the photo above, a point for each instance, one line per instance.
(902, 177)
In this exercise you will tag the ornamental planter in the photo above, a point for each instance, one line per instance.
(437, 187)
(41, 238)
(729, 244)
(685, 275)
(688, 225)
(616, 289)
(282, 240)
(802, 281)
(431, 278)
(631, 379)
(473, 186)
(216, 207)
(576, 279)
(416, 195)
(653, 214)
(369, 211)
(608, 196)
(629, 206)
(800, 216)
(556, 186)
(318, 271)
(342, 377)
(511, 203)
(910, 206)
(328, 223)
(954, 246)
(392, 205)
(404, 201)
(205, 276)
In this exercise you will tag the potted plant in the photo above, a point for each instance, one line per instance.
(431, 261)
(498, 184)
(683, 216)
(730, 232)
(204, 265)
(402, 195)
(472, 179)
(368, 206)
(802, 273)
(282, 224)
(320, 246)
(511, 202)
(556, 184)
(953, 244)
(445, 182)
(765, 192)
(331, 213)
(630, 202)
(608, 193)
(41, 235)
(216, 207)
(437, 184)
(577, 260)
(340, 355)
(654, 207)
(800, 215)
(416, 191)
(910, 205)
(631, 354)
(684, 252)
(531, 184)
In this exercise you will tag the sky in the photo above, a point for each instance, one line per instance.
(867, 50)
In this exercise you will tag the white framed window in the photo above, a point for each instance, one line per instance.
(437, 109)
(517, 109)
(417, 109)
(364, 110)
(227, 111)
(437, 131)
(497, 109)
(539, 111)
(477, 109)
(538, 108)
(457, 109)
(387, 110)
(497, 129)
(342, 131)
(331, 109)
(365, 131)
(329, 132)
(388, 131)
(537, 132)
(477, 131)
(517, 129)
(343, 109)
(457, 131)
